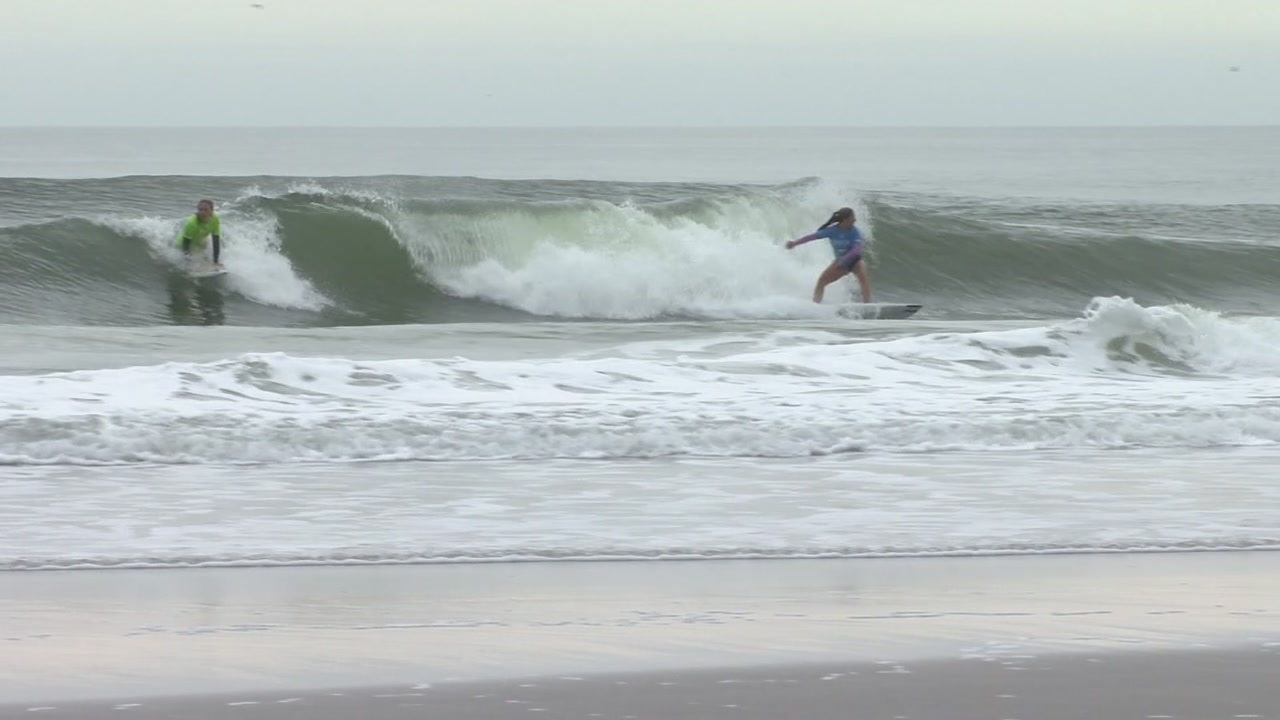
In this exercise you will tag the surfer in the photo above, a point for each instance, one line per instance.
(846, 243)
(204, 224)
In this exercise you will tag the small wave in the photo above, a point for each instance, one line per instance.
(673, 554)
(1113, 378)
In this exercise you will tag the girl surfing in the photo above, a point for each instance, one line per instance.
(846, 243)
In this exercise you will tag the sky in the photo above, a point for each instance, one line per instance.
(536, 63)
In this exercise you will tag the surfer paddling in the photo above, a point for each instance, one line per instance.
(846, 243)
(198, 228)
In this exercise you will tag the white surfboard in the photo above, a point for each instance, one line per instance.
(206, 271)
(878, 311)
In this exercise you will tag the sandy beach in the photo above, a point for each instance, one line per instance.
(1183, 635)
(552, 373)
(1178, 684)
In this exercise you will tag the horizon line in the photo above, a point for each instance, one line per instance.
(1099, 126)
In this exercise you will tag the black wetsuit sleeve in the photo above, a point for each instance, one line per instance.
(186, 245)
(217, 248)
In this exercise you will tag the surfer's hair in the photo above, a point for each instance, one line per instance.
(205, 201)
(836, 217)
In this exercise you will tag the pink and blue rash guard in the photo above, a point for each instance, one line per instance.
(846, 244)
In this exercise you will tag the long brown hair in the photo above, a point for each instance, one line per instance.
(836, 217)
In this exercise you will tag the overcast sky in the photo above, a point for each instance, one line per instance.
(639, 62)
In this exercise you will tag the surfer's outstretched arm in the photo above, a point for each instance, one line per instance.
(800, 241)
(217, 248)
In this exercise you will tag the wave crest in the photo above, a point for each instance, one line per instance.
(393, 251)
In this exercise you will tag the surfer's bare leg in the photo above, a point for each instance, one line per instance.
(860, 271)
(833, 273)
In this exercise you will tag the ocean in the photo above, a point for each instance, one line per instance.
(501, 345)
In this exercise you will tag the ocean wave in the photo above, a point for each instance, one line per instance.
(682, 554)
(1115, 377)
(397, 250)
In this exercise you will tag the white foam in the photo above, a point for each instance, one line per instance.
(251, 253)
(408, 513)
(579, 259)
(626, 262)
(257, 269)
(1123, 376)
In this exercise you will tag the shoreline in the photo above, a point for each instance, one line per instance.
(73, 637)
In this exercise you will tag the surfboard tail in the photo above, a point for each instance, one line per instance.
(879, 311)
(206, 272)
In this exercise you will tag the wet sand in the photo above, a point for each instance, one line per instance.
(1187, 635)
(1193, 685)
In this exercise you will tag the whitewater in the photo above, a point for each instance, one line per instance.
(1117, 377)
(441, 366)
(1126, 429)
(381, 250)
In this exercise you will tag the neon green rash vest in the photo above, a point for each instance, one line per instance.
(199, 232)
